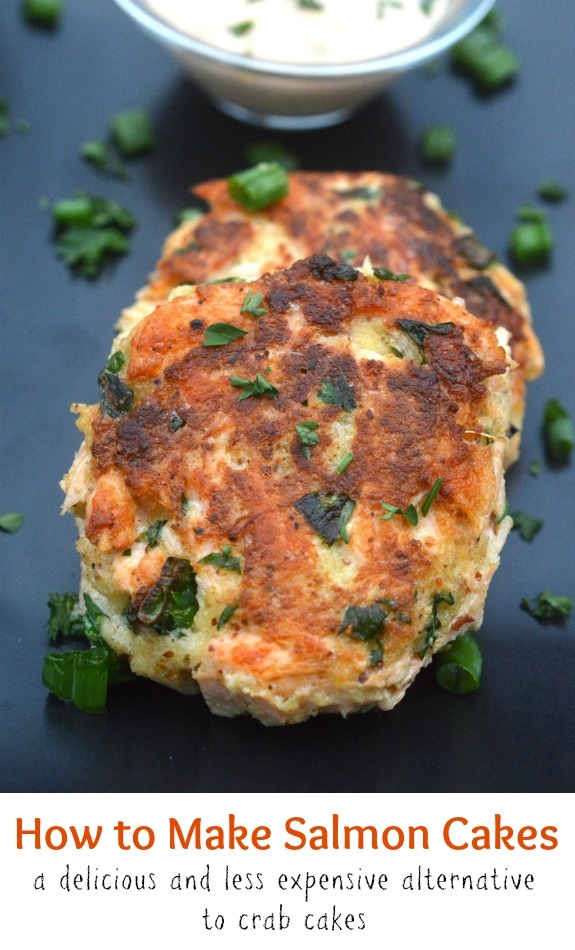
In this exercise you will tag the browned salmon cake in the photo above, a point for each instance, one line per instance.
(350, 215)
(294, 520)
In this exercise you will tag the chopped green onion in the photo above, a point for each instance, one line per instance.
(43, 12)
(11, 521)
(557, 431)
(483, 57)
(259, 187)
(271, 152)
(552, 190)
(531, 241)
(431, 496)
(534, 468)
(310, 4)
(458, 668)
(347, 458)
(438, 144)
(527, 526)
(219, 334)
(80, 677)
(548, 606)
(133, 132)
(225, 615)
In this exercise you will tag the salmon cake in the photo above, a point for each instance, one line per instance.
(349, 216)
(291, 493)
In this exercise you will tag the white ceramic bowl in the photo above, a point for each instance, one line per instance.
(280, 95)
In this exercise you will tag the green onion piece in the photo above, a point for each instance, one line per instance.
(548, 606)
(271, 152)
(11, 521)
(557, 431)
(347, 458)
(431, 496)
(225, 615)
(483, 57)
(527, 526)
(240, 29)
(64, 618)
(79, 210)
(438, 144)
(552, 190)
(116, 361)
(382, 273)
(80, 677)
(219, 334)
(43, 12)
(133, 132)
(458, 669)
(531, 241)
(259, 187)
(98, 154)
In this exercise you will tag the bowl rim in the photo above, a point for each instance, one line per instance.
(464, 21)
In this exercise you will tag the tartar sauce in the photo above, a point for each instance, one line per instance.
(306, 31)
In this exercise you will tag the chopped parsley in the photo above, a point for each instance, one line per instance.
(268, 152)
(225, 615)
(64, 617)
(154, 531)
(308, 436)
(11, 521)
(170, 605)
(337, 392)
(257, 188)
(346, 460)
(176, 422)
(253, 305)
(382, 273)
(527, 526)
(409, 513)
(224, 559)
(557, 431)
(552, 190)
(98, 154)
(366, 624)
(438, 144)
(240, 29)
(132, 132)
(219, 334)
(419, 331)
(257, 387)
(458, 668)
(115, 397)
(433, 625)
(548, 606)
(327, 513)
(310, 4)
(89, 231)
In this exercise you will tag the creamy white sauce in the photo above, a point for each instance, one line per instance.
(284, 31)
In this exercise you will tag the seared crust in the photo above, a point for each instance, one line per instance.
(232, 471)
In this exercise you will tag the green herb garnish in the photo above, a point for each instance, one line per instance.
(409, 513)
(115, 362)
(257, 387)
(240, 29)
(308, 436)
(366, 624)
(482, 56)
(115, 397)
(64, 619)
(382, 273)
(438, 144)
(531, 241)
(225, 615)
(269, 152)
(259, 187)
(328, 514)
(219, 334)
(527, 526)
(430, 497)
(224, 559)
(458, 668)
(90, 230)
(557, 431)
(11, 521)
(552, 190)
(253, 305)
(534, 468)
(361, 192)
(337, 392)
(548, 606)
(154, 531)
(132, 132)
(98, 154)
(170, 605)
(347, 458)
(188, 214)
(310, 4)
(4, 117)
(43, 12)
(504, 513)
(419, 331)
(433, 625)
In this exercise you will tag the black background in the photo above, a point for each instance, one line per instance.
(516, 733)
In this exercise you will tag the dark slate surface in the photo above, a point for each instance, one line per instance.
(517, 732)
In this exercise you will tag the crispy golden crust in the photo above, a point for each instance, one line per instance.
(349, 216)
(233, 471)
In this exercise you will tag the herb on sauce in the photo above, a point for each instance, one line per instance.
(308, 436)
(115, 397)
(253, 305)
(438, 144)
(325, 268)
(557, 431)
(382, 273)
(240, 29)
(347, 458)
(219, 334)
(337, 392)
(548, 606)
(132, 132)
(310, 4)
(224, 559)
(527, 526)
(225, 615)
(458, 668)
(258, 187)
(367, 625)
(433, 625)
(328, 514)
(11, 521)
(258, 387)
(361, 193)
(154, 531)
